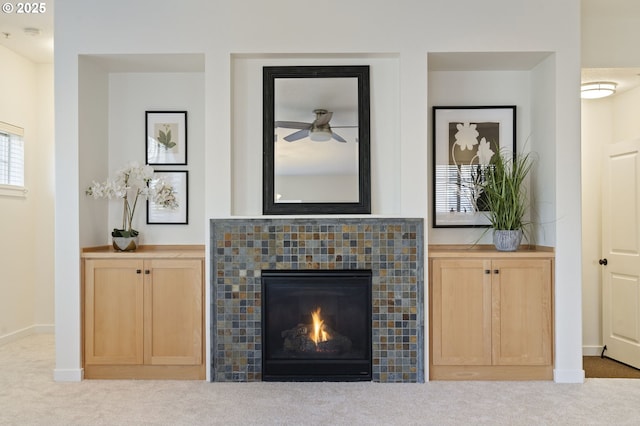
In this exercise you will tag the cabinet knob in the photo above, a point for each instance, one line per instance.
(138, 271)
(496, 271)
(487, 271)
(147, 272)
(603, 262)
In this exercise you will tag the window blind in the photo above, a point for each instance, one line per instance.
(456, 187)
(11, 155)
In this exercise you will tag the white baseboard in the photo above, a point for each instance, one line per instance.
(568, 376)
(592, 350)
(68, 374)
(27, 331)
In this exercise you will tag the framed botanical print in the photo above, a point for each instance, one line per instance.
(157, 214)
(166, 137)
(465, 139)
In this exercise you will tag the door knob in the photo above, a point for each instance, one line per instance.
(603, 262)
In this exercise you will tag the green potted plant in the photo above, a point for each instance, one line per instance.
(506, 199)
(131, 183)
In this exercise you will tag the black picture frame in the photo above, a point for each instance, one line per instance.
(271, 74)
(166, 138)
(464, 139)
(156, 215)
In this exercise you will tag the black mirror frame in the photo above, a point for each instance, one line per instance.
(269, 206)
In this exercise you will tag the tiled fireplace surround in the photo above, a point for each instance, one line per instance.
(391, 248)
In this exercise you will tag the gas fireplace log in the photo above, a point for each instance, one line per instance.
(339, 344)
(299, 344)
(298, 330)
(298, 340)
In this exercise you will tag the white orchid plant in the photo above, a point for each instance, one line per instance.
(133, 183)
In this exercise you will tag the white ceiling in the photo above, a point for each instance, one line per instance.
(485, 61)
(140, 63)
(37, 48)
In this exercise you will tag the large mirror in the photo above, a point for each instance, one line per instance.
(316, 140)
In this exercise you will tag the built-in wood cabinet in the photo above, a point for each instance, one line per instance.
(491, 314)
(144, 313)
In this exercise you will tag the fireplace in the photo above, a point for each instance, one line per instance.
(316, 325)
(391, 248)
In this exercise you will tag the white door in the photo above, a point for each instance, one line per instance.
(621, 252)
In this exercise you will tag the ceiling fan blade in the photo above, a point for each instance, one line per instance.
(300, 134)
(338, 137)
(292, 124)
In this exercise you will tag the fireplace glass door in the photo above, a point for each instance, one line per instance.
(316, 325)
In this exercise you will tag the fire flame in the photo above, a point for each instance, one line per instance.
(318, 334)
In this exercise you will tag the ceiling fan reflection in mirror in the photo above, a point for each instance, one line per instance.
(318, 131)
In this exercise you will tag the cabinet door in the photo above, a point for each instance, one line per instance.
(113, 312)
(461, 312)
(522, 312)
(173, 312)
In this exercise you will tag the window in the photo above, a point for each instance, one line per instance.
(11, 160)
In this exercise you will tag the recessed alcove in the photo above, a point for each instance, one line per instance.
(524, 79)
(247, 115)
(114, 91)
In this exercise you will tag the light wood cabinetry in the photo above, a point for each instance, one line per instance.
(491, 315)
(144, 313)
(113, 311)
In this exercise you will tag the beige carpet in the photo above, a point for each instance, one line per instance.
(29, 396)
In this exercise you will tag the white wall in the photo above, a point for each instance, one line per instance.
(625, 109)
(542, 141)
(44, 196)
(93, 149)
(26, 255)
(609, 35)
(399, 36)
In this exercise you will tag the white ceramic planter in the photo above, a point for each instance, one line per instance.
(507, 240)
(125, 243)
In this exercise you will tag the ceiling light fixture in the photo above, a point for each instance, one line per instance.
(320, 135)
(597, 90)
